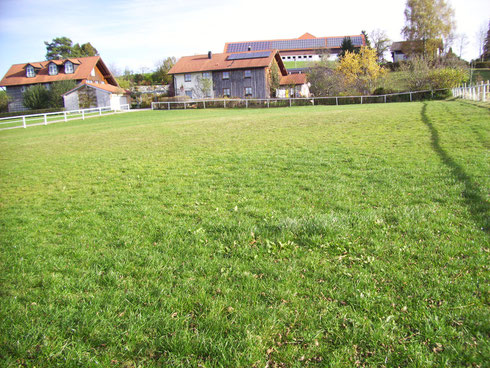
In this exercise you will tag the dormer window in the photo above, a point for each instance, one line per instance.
(53, 69)
(68, 67)
(30, 73)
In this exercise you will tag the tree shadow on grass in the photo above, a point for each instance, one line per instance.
(474, 199)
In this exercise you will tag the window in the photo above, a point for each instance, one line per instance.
(68, 67)
(30, 71)
(187, 77)
(226, 75)
(289, 57)
(248, 74)
(226, 92)
(92, 73)
(310, 56)
(188, 93)
(23, 88)
(248, 91)
(53, 69)
(206, 75)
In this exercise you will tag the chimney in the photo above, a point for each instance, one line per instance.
(249, 48)
(210, 54)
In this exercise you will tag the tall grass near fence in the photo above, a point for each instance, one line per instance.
(313, 236)
(290, 102)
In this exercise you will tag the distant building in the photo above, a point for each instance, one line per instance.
(293, 85)
(90, 70)
(403, 50)
(305, 48)
(239, 74)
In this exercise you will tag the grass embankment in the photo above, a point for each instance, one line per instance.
(480, 75)
(309, 236)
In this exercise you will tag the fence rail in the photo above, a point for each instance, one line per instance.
(304, 101)
(24, 121)
(476, 92)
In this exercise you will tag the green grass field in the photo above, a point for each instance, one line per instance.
(329, 236)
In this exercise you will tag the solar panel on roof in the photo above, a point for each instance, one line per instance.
(243, 46)
(298, 44)
(249, 55)
(337, 41)
(293, 44)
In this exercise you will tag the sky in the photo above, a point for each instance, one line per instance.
(137, 34)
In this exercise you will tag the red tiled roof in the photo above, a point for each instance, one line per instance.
(306, 36)
(16, 75)
(106, 87)
(293, 79)
(201, 63)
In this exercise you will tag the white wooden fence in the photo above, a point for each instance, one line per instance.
(289, 102)
(476, 92)
(24, 121)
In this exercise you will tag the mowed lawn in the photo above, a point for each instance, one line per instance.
(308, 236)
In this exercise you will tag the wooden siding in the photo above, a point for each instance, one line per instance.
(16, 98)
(237, 83)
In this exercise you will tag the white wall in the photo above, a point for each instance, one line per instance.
(193, 85)
(117, 101)
(103, 98)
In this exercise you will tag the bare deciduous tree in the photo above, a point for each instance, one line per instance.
(381, 43)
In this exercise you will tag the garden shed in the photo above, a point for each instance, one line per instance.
(88, 95)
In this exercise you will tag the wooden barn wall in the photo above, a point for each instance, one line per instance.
(237, 83)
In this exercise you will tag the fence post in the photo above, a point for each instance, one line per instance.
(289, 102)
(268, 103)
(431, 94)
(336, 101)
(361, 100)
(185, 106)
(64, 114)
(204, 104)
(45, 119)
(24, 122)
(100, 111)
(385, 98)
(313, 101)
(83, 114)
(246, 104)
(410, 96)
(169, 106)
(224, 104)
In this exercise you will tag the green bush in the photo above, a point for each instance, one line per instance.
(447, 77)
(57, 90)
(37, 97)
(4, 101)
